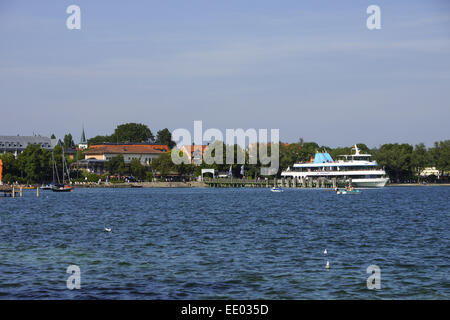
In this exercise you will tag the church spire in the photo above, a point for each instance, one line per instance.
(83, 137)
(83, 143)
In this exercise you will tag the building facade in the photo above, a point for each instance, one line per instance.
(17, 144)
(194, 152)
(144, 152)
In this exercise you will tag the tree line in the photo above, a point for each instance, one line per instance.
(402, 162)
(135, 133)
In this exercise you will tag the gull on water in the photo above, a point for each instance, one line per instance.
(327, 265)
(108, 229)
(325, 251)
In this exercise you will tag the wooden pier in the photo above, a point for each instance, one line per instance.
(8, 191)
(282, 183)
(13, 191)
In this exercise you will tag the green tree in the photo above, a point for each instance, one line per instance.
(116, 165)
(53, 136)
(163, 164)
(165, 137)
(290, 154)
(440, 154)
(137, 169)
(36, 163)
(132, 132)
(68, 141)
(420, 159)
(396, 159)
(11, 167)
(99, 140)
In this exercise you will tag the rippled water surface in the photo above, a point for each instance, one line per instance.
(226, 243)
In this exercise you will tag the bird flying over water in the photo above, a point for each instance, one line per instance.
(108, 229)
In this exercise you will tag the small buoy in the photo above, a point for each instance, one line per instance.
(327, 265)
(325, 251)
(108, 229)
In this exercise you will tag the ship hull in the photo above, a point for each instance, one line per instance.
(370, 183)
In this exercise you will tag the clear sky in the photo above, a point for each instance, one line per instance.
(310, 68)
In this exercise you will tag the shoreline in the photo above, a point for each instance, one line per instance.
(196, 184)
(418, 185)
(192, 184)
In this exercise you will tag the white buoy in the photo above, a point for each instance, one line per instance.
(327, 265)
(325, 251)
(108, 229)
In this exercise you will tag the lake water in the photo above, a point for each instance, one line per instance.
(226, 244)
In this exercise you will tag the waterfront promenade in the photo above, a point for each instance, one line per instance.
(6, 190)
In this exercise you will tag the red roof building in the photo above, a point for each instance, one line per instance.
(144, 152)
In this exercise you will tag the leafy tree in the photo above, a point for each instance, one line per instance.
(308, 150)
(53, 136)
(116, 165)
(11, 168)
(420, 159)
(68, 141)
(165, 137)
(290, 154)
(128, 132)
(100, 140)
(396, 159)
(163, 164)
(132, 132)
(137, 169)
(440, 154)
(36, 163)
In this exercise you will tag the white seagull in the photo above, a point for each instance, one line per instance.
(327, 265)
(325, 251)
(108, 229)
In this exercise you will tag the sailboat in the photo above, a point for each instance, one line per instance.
(60, 187)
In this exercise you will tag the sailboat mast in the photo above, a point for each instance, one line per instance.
(53, 165)
(63, 165)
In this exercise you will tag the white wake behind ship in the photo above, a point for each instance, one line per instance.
(363, 172)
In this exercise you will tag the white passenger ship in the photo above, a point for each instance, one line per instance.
(363, 172)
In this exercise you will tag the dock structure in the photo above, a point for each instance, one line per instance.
(13, 191)
(8, 191)
(320, 182)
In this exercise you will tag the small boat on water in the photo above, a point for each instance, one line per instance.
(61, 188)
(46, 187)
(348, 191)
(275, 189)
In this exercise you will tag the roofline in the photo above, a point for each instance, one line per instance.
(128, 144)
(334, 164)
(91, 152)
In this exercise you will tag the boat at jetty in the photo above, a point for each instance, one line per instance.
(61, 187)
(275, 189)
(354, 169)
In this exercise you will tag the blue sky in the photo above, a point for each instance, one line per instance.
(310, 68)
